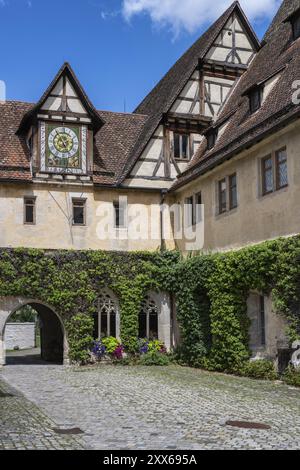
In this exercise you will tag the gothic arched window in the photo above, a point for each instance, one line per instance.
(106, 318)
(148, 319)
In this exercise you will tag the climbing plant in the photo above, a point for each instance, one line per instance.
(225, 281)
(71, 282)
(211, 292)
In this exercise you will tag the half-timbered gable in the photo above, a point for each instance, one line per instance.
(60, 129)
(197, 92)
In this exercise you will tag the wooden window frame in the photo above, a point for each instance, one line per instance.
(274, 157)
(277, 166)
(264, 170)
(230, 189)
(181, 134)
(189, 218)
(124, 208)
(198, 216)
(82, 202)
(259, 90)
(29, 198)
(222, 210)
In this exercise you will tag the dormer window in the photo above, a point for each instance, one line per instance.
(294, 20)
(212, 138)
(181, 146)
(296, 27)
(255, 99)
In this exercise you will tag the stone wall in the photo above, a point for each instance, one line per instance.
(21, 335)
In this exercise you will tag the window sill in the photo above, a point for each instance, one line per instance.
(226, 213)
(274, 193)
(182, 160)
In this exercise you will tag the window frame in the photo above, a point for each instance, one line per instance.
(221, 208)
(147, 308)
(76, 201)
(275, 165)
(189, 216)
(294, 21)
(25, 204)
(198, 216)
(211, 138)
(230, 189)
(257, 90)
(181, 135)
(122, 206)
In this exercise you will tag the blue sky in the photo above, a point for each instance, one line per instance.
(119, 49)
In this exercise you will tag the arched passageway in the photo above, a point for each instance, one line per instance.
(52, 345)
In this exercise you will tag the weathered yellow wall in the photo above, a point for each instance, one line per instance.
(54, 230)
(257, 217)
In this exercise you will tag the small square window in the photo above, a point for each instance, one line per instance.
(181, 146)
(79, 212)
(29, 210)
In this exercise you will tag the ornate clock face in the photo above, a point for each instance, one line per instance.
(63, 148)
(63, 143)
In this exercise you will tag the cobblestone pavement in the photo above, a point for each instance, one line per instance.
(23, 426)
(148, 408)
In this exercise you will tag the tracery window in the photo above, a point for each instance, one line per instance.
(148, 319)
(106, 318)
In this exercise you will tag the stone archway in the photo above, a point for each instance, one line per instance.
(54, 344)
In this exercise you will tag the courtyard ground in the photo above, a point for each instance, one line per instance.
(142, 408)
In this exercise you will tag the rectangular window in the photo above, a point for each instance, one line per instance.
(267, 175)
(296, 27)
(233, 192)
(181, 146)
(255, 99)
(222, 196)
(79, 211)
(274, 172)
(198, 209)
(189, 211)
(212, 138)
(29, 211)
(120, 214)
(281, 169)
(262, 321)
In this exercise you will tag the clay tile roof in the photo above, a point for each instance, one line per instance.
(161, 98)
(113, 143)
(14, 153)
(279, 55)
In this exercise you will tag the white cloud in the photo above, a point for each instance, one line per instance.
(189, 15)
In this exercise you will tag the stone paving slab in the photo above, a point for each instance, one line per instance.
(23, 426)
(160, 407)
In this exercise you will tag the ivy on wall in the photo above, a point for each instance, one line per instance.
(224, 281)
(72, 281)
(211, 291)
